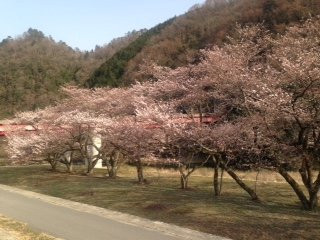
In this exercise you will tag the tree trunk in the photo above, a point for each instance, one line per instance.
(313, 202)
(244, 186)
(313, 188)
(221, 181)
(295, 186)
(112, 165)
(53, 165)
(90, 168)
(216, 184)
(70, 167)
(91, 165)
(139, 166)
(184, 182)
(184, 177)
(112, 172)
(313, 193)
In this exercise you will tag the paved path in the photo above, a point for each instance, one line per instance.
(75, 221)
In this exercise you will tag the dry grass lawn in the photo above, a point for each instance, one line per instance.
(232, 215)
(10, 229)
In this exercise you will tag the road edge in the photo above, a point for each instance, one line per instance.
(168, 229)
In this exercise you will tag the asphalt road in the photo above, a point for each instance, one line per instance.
(69, 224)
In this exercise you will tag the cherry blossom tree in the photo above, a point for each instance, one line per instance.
(292, 110)
(258, 96)
(40, 146)
(208, 88)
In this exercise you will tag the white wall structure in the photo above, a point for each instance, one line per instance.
(93, 152)
(67, 156)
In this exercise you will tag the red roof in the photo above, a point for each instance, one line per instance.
(206, 119)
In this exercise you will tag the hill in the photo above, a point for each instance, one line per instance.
(177, 41)
(34, 66)
(113, 69)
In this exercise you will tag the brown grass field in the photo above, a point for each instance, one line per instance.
(232, 215)
(16, 230)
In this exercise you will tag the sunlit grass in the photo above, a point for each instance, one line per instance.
(20, 231)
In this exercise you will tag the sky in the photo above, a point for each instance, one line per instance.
(86, 23)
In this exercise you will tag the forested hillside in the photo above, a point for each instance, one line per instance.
(113, 69)
(34, 66)
(178, 41)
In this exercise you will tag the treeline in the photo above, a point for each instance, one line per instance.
(32, 68)
(204, 25)
(114, 68)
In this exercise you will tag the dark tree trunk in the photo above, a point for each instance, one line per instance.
(216, 185)
(307, 179)
(70, 167)
(53, 164)
(313, 193)
(244, 186)
(221, 181)
(112, 165)
(295, 186)
(313, 203)
(90, 168)
(184, 177)
(139, 166)
(112, 173)
(184, 182)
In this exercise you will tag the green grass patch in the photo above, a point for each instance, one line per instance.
(232, 215)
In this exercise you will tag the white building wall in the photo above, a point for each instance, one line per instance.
(92, 151)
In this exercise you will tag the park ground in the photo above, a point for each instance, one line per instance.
(232, 215)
